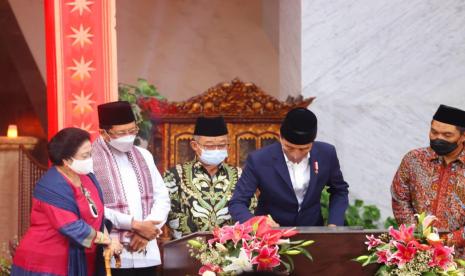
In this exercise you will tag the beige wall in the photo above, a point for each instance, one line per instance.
(30, 17)
(182, 46)
(185, 47)
(270, 21)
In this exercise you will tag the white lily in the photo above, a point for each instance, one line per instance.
(221, 247)
(426, 222)
(209, 273)
(283, 241)
(434, 237)
(239, 264)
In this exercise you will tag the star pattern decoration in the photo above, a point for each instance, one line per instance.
(80, 5)
(81, 69)
(86, 127)
(82, 102)
(81, 36)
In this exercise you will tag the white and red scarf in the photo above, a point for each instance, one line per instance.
(109, 177)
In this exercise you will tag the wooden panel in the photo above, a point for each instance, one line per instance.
(332, 252)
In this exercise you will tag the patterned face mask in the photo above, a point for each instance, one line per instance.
(123, 144)
(213, 157)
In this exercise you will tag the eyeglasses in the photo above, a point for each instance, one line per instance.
(120, 133)
(213, 147)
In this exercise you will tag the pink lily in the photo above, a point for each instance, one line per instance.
(442, 256)
(404, 253)
(267, 258)
(372, 242)
(404, 234)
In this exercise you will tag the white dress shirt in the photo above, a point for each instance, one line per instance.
(300, 176)
(159, 210)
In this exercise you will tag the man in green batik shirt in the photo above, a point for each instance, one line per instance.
(201, 189)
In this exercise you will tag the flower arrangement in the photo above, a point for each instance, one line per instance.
(412, 250)
(250, 246)
(6, 256)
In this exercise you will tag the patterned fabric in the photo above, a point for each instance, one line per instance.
(199, 202)
(108, 174)
(59, 240)
(424, 183)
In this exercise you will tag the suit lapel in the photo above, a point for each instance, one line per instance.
(313, 175)
(279, 164)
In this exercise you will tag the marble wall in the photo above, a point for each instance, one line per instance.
(379, 70)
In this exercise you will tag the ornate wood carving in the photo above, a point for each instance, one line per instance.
(235, 100)
(253, 118)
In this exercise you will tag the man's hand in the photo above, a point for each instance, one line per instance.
(146, 229)
(272, 223)
(332, 225)
(115, 247)
(138, 243)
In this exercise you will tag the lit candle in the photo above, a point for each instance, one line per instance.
(12, 131)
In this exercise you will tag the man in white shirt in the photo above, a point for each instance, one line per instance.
(135, 196)
(291, 175)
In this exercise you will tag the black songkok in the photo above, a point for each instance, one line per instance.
(450, 115)
(210, 126)
(115, 113)
(299, 127)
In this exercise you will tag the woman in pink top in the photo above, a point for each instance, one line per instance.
(67, 218)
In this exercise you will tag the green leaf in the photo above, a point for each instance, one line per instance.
(460, 262)
(390, 221)
(371, 259)
(290, 262)
(306, 253)
(383, 271)
(287, 266)
(361, 259)
(358, 203)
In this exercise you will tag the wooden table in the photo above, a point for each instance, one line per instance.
(332, 252)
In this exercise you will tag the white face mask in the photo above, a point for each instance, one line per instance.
(213, 157)
(123, 144)
(84, 166)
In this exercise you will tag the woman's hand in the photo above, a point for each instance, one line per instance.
(102, 238)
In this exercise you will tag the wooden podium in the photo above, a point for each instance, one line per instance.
(332, 252)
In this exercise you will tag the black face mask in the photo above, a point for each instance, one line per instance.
(442, 147)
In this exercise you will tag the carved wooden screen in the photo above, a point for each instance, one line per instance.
(253, 119)
(30, 170)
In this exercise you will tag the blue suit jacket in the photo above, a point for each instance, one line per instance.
(266, 170)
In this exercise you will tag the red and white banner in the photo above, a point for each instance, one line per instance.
(81, 62)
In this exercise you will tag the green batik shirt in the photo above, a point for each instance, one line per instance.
(199, 202)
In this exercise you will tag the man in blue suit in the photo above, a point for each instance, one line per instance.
(291, 175)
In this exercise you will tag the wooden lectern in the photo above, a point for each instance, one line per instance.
(332, 252)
